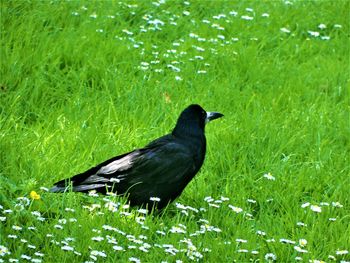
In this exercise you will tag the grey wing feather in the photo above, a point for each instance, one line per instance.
(105, 173)
(119, 165)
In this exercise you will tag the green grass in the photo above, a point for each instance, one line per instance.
(74, 92)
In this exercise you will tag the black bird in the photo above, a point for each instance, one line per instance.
(161, 169)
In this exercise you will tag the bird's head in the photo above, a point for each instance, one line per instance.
(192, 120)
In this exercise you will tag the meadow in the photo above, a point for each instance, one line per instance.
(83, 81)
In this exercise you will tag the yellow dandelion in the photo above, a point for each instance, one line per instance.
(34, 195)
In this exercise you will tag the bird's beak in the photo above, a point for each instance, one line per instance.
(212, 116)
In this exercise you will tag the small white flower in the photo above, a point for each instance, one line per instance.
(40, 218)
(301, 224)
(235, 209)
(127, 32)
(222, 37)
(156, 22)
(200, 49)
(142, 211)
(219, 16)
(93, 193)
(38, 254)
(269, 176)
(270, 256)
(316, 208)
(17, 228)
(160, 232)
(332, 257)
(314, 33)
(23, 201)
(305, 205)
(285, 30)
(208, 199)
(176, 69)
(261, 233)
(26, 257)
(223, 198)
(342, 252)
(98, 239)
(238, 240)
(126, 206)
(98, 253)
(300, 250)
(337, 204)
(67, 248)
(31, 246)
(36, 213)
(143, 249)
(322, 26)
(58, 226)
(118, 248)
(69, 239)
(302, 242)
(248, 18)
(177, 230)
(62, 221)
(133, 259)
(4, 251)
(93, 15)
